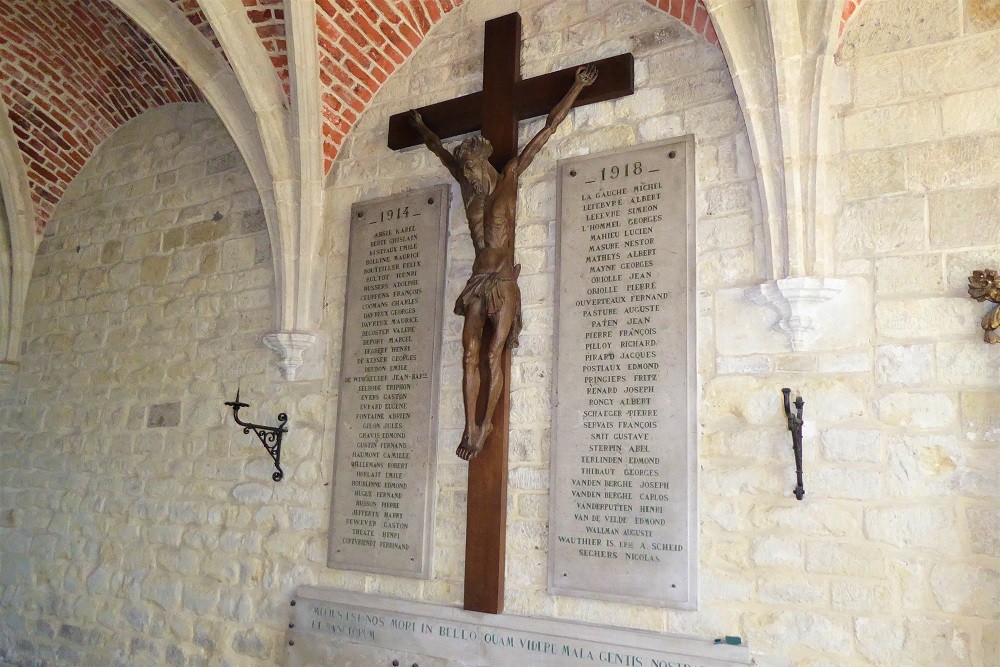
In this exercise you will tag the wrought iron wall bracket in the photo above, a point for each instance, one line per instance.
(795, 426)
(269, 436)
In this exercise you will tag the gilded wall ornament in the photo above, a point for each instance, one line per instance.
(984, 286)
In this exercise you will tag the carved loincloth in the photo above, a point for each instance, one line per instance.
(486, 288)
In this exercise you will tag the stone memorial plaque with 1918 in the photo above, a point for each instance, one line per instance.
(624, 519)
(383, 485)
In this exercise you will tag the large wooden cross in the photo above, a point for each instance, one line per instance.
(504, 100)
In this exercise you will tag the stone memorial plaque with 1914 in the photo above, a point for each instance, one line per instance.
(623, 492)
(383, 485)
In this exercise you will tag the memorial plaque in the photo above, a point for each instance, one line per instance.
(343, 628)
(623, 513)
(383, 484)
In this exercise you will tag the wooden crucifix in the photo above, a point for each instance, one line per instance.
(490, 302)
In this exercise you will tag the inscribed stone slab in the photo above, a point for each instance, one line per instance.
(344, 628)
(623, 514)
(383, 485)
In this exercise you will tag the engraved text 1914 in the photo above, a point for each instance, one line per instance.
(387, 419)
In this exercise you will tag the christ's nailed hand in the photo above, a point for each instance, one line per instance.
(586, 75)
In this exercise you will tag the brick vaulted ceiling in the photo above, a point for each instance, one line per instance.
(288, 78)
(362, 42)
(75, 70)
(71, 72)
(268, 19)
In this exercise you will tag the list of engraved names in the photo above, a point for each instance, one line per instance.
(622, 496)
(386, 422)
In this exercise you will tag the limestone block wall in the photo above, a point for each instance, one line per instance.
(920, 210)
(891, 559)
(138, 526)
(683, 87)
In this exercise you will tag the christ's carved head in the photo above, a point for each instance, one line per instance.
(473, 156)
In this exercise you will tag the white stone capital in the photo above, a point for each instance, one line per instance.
(290, 345)
(799, 303)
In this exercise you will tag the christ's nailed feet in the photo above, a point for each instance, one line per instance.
(484, 432)
(467, 449)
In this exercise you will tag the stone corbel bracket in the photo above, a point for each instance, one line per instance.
(801, 305)
(290, 346)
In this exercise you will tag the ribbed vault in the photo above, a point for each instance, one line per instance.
(290, 78)
(73, 73)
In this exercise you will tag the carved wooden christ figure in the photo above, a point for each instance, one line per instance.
(492, 294)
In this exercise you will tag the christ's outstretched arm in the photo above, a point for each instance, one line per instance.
(434, 143)
(584, 77)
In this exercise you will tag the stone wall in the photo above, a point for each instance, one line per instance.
(920, 194)
(892, 557)
(136, 521)
(683, 87)
(139, 526)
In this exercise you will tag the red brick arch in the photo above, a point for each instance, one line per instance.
(197, 18)
(850, 7)
(71, 73)
(362, 42)
(268, 20)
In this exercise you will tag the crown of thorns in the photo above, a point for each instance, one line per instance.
(474, 147)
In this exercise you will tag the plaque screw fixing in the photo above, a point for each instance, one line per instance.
(672, 154)
(395, 663)
(572, 172)
(431, 200)
(293, 603)
(291, 643)
(361, 214)
(730, 640)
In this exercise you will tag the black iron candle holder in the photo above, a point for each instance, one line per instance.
(270, 436)
(795, 426)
